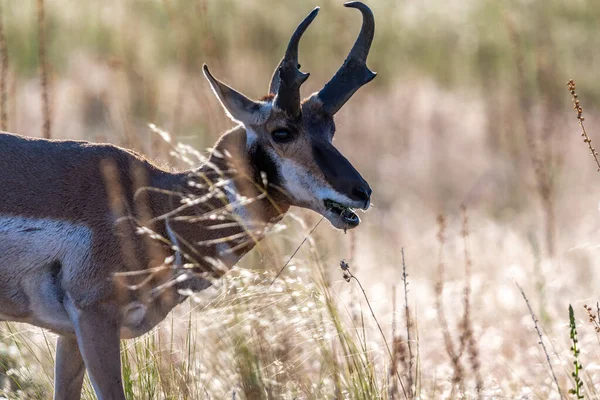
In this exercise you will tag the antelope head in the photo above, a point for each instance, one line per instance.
(293, 139)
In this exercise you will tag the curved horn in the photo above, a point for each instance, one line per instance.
(287, 78)
(354, 72)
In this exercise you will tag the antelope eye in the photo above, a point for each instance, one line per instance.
(282, 135)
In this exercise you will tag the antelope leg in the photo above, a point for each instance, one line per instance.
(97, 331)
(68, 370)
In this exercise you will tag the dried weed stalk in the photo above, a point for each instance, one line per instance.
(398, 352)
(409, 325)
(453, 353)
(3, 74)
(539, 161)
(594, 318)
(539, 332)
(402, 347)
(44, 73)
(396, 342)
(467, 338)
(580, 119)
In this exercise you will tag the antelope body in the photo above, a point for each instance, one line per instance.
(72, 258)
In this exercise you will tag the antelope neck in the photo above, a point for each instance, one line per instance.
(229, 210)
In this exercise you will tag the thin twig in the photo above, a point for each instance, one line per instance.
(539, 332)
(290, 259)
(294, 253)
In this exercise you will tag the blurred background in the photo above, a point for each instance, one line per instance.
(469, 114)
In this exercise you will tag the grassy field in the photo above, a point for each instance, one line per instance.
(485, 226)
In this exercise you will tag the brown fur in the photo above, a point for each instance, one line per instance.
(72, 258)
(95, 185)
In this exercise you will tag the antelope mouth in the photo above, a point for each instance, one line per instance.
(347, 216)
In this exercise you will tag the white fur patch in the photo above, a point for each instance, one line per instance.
(305, 188)
(261, 116)
(28, 247)
(39, 240)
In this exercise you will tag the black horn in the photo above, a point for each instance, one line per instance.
(354, 72)
(286, 81)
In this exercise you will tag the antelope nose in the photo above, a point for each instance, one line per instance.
(362, 193)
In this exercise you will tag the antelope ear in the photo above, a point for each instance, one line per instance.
(237, 106)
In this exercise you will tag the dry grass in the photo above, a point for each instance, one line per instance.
(463, 111)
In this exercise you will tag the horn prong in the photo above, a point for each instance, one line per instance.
(287, 78)
(354, 72)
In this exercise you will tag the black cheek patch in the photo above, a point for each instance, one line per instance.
(263, 162)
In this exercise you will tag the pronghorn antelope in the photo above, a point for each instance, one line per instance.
(85, 228)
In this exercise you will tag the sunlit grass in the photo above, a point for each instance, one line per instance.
(439, 127)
